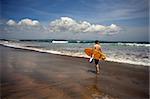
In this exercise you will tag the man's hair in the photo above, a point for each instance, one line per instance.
(96, 42)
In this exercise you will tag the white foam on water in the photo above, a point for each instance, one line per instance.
(76, 54)
(17, 45)
(134, 44)
(59, 41)
(128, 61)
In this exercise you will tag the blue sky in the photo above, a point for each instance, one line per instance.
(131, 16)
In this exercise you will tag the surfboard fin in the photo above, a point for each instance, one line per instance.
(91, 60)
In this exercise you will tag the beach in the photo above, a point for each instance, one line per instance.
(27, 74)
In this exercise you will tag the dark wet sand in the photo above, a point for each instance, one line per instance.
(33, 75)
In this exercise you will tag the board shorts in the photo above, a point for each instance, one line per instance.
(96, 61)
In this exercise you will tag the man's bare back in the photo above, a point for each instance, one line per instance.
(97, 47)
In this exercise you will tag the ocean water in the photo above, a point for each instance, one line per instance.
(132, 53)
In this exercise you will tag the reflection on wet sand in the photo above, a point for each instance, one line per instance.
(95, 89)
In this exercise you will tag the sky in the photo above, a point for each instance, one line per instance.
(106, 20)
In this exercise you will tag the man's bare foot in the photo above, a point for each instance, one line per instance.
(97, 72)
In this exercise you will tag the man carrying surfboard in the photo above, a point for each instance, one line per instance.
(96, 54)
(98, 48)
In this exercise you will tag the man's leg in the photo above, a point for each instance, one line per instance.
(97, 66)
(97, 69)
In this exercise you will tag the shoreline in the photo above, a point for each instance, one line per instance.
(35, 75)
(41, 51)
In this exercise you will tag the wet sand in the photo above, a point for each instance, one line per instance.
(33, 75)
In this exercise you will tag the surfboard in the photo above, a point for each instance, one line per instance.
(96, 54)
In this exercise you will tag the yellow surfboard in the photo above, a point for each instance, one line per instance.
(97, 54)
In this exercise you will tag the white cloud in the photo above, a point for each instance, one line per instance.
(62, 25)
(112, 29)
(66, 24)
(29, 22)
(11, 22)
(24, 26)
(23, 22)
